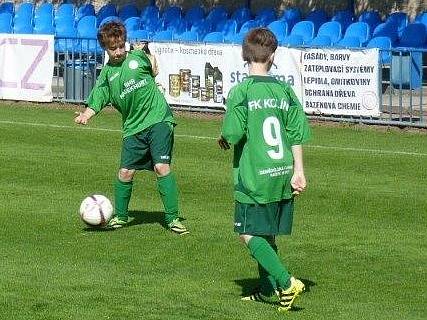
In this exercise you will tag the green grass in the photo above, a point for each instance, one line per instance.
(358, 243)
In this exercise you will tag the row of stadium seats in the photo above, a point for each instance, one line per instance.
(172, 24)
(28, 13)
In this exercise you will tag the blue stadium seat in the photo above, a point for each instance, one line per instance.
(187, 36)
(318, 17)
(45, 9)
(359, 30)
(406, 69)
(217, 13)
(22, 28)
(331, 29)
(238, 38)
(201, 27)
(152, 25)
(241, 15)
(293, 40)
(384, 44)
(248, 25)
(178, 26)
(138, 35)
(399, 19)
(344, 17)
(87, 34)
(6, 22)
(421, 18)
(386, 30)
(228, 28)
(44, 28)
(321, 41)
(214, 37)
(372, 18)
(65, 11)
(24, 14)
(165, 35)
(413, 36)
(171, 13)
(83, 11)
(279, 28)
(107, 10)
(132, 23)
(349, 42)
(65, 35)
(150, 14)
(265, 16)
(7, 7)
(128, 11)
(194, 14)
(304, 29)
(108, 19)
(291, 16)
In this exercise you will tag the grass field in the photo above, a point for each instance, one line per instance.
(359, 239)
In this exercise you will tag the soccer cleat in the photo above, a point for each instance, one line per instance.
(287, 297)
(177, 227)
(259, 297)
(116, 223)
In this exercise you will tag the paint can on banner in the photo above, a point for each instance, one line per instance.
(209, 80)
(203, 94)
(185, 75)
(195, 86)
(174, 85)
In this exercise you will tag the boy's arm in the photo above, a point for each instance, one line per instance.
(98, 99)
(234, 124)
(298, 181)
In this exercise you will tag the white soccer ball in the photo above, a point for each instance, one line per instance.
(96, 210)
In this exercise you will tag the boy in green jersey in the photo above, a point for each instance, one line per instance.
(267, 126)
(127, 82)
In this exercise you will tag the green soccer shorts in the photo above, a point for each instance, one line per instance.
(264, 219)
(144, 149)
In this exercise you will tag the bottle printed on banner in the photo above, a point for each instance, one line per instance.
(217, 85)
(174, 85)
(185, 75)
(185, 84)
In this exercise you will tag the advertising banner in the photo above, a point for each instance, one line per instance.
(327, 81)
(26, 67)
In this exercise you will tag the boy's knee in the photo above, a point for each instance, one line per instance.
(245, 238)
(162, 169)
(126, 175)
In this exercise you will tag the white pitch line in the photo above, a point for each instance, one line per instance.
(214, 138)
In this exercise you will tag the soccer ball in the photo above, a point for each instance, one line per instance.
(96, 210)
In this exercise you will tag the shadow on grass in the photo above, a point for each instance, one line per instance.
(136, 218)
(249, 286)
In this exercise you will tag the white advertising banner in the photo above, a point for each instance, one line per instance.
(340, 82)
(327, 81)
(26, 67)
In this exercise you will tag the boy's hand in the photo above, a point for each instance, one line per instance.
(223, 144)
(80, 118)
(83, 117)
(298, 183)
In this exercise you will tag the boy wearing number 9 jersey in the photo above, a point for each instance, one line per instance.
(267, 126)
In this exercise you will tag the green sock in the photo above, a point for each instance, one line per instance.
(267, 283)
(122, 193)
(168, 190)
(264, 254)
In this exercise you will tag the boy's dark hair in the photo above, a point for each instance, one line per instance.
(111, 32)
(259, 45)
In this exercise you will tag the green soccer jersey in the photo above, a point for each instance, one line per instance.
(263, 120)
(130, 87)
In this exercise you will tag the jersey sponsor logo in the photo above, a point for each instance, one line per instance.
(269, 103)
(164, 157)
(237, 224)
(131, 86)
(133, 64)
(114, 76)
